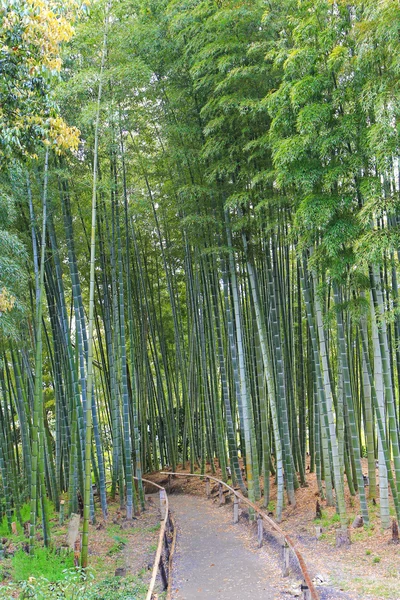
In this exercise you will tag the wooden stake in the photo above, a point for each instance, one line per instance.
(77, 551)
(221, 494)
(395, 532)
(235, 509)
(14, 528)
(62, 503)
(260, 530)
(286, 560)
(207, 488)
(163, 503)
(306, 592)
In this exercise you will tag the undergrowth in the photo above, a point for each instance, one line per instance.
(25, 516)
(45, 563)
(77, 586)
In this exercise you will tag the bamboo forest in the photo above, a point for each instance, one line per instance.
(199, 255)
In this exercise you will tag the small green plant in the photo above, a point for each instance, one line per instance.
(368, 552)
(376, 559)
(335, 518)
(119, 544)
(271, 506)
(154, 527)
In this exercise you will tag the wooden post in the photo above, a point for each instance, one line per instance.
(77, 551)
(235, 509)
(306, 591)
(62, 504)
(286, 559)
(395, 532)
(207, 488)
(221, 494)
(318, 531)
(169, 482)
(163, 503)
(14, 528)
(260, 530)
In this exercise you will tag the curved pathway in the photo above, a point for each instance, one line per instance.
(214, 558)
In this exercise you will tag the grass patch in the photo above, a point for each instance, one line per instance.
(118, 545)
(113, 529)
(44, 563)
(376, 559)
(327, 521)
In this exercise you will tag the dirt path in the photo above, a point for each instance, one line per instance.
(213, 558)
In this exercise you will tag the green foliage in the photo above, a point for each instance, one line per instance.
(77, 586)
(45, 563)
(30, 35)
(25, 515)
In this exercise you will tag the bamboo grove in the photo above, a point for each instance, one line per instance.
(209, 279)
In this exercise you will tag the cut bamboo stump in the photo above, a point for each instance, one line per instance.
(235, 509)
(73, 530)
(342, 538)
(358, 522)
(286, 560)
(318, 531)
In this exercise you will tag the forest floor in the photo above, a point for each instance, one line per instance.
(368, 570)
(121, 556)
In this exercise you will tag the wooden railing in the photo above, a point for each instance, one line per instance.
(309, 591)
(165, 547)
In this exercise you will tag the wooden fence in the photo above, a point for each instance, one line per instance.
(165, 547)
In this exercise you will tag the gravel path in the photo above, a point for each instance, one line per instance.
(213, 559)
